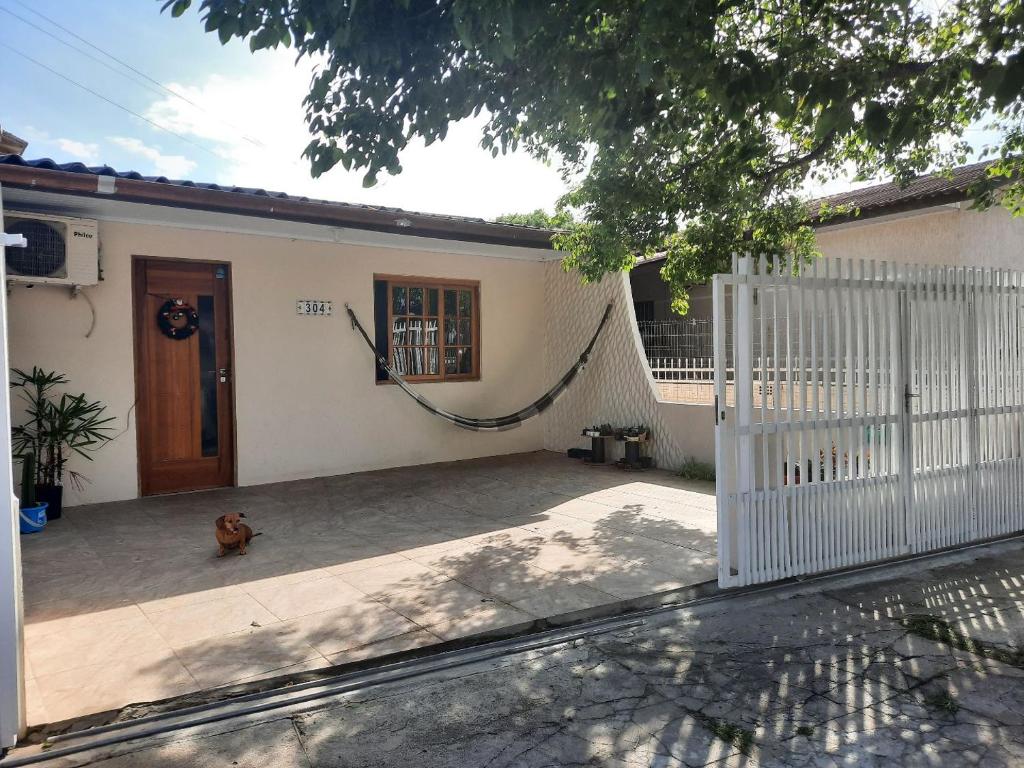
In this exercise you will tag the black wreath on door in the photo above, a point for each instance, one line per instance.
(177, 320)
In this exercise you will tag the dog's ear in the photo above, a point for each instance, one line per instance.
(220, 522)
(241, 514)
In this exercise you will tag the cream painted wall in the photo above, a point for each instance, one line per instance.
(939, 235)
(307, 404)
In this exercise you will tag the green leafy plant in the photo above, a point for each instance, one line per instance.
(697, 470)
(57, 428)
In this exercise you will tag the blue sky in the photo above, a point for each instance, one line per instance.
(249, 129)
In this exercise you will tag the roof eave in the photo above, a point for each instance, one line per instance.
(339, 215)
(870, 212)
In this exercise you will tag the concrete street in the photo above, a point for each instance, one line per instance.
(914, 664)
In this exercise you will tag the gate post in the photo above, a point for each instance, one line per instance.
(12, 679)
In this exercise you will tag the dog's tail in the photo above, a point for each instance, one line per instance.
(258, 533)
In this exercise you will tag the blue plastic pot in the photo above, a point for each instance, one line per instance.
(33, 519)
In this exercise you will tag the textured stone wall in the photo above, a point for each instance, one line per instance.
(616, 386)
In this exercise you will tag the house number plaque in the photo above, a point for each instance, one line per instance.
(314, 307)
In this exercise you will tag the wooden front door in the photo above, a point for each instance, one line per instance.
(183, 377)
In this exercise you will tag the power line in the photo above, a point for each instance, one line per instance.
(163, 88)
(73, 47)
(99, 95)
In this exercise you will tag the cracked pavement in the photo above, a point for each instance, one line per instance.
(815, 674)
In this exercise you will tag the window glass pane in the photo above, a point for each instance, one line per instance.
(415, 301)
(431, 332)
(451, 330)
(432, 301)
(398, 334)
(465, 331)
(208, 378)
(398, 303)
(415, 335)
(450, 305)
(399, 361)
(433, 361)
(458, 360)
(465, 303)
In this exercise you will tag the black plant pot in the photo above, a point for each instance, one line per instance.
(53, 495)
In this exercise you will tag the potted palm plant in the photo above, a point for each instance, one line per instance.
(55, 429)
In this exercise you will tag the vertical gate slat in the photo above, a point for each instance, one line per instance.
(798, 526)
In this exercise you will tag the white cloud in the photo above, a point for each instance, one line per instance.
(85, 152)
(173, 166)
(82, 151)
(255, 124)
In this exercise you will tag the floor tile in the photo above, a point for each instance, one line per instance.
(409, 640)
(562, 598)
(83, 646)
(288, 601)
(35, 629)
(481, 620)
(147, 677)
(192, 623)
(364, 563)
(393, 577)
(35, 710)
(434, 603)
(635, 581)
(354, 625)
(242, 655)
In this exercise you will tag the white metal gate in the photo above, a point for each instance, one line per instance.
(875, 411)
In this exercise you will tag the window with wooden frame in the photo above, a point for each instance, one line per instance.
(429, 327)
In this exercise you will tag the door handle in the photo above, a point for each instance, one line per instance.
(223, 374)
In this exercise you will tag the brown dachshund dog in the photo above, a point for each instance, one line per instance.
(232, 533)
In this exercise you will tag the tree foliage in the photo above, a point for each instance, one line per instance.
(691, 124)
(560, 219)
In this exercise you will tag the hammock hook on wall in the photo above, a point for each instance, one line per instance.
(500, 423)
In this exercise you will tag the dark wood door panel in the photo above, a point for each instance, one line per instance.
(186, 419)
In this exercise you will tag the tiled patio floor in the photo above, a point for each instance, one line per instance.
(127, 602)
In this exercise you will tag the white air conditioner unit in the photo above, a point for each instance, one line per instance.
(60, 250)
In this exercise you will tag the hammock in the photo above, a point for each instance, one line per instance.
(501, 423)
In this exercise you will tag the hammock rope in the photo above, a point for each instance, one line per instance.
(500, 423)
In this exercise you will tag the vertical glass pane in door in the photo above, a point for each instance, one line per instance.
(415, 301)
(208, 377)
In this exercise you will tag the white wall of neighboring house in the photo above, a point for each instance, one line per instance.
(946, 234)
(306, 400)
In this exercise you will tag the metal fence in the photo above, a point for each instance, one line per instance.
(682, 338)
(681, 356)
